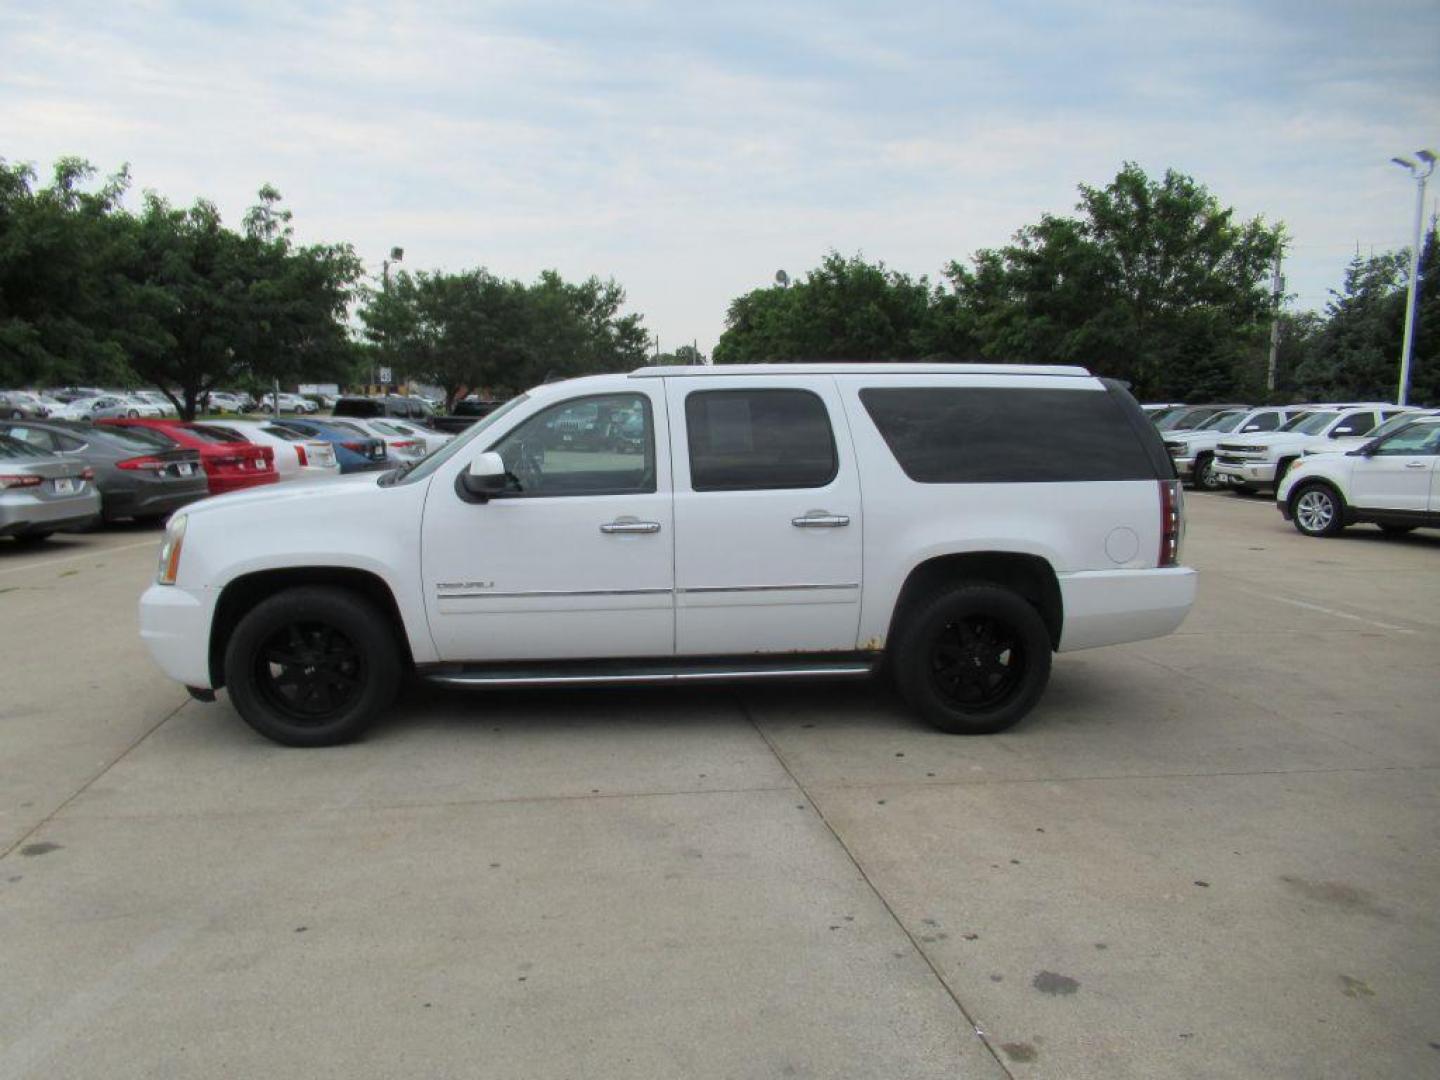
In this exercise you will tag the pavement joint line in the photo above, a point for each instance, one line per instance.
(352, 807)
(97, 553)
(870, 884)
(892, 785)
(86, 785)
(1336, 614)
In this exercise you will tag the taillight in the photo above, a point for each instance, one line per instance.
(136, 463)
(1172, 522)
(300, 453)
(358, 447)
(87, 473)
(7, 482)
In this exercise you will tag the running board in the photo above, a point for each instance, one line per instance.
(651, 671)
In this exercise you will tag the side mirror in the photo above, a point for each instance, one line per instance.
(485, 477)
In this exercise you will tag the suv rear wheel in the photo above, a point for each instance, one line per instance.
(1317, 510)
(973, 660)
(312, 666)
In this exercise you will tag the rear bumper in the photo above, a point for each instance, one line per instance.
(175, 627)
(153, 499)
(1108, 607)
(222, 484)
(22, 513)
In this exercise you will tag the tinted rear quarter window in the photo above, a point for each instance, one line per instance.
(746, 440)
(1007, 435)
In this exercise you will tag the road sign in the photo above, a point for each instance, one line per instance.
(385, 375)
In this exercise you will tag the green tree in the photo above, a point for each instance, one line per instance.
(471, 330)
(59, 300)
(844, 309)
(1153, 282)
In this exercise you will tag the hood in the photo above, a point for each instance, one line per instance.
(315, 490)
(1268, 441)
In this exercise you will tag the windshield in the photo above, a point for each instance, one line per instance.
(15, 448)
(1395, 423)
(432, 461)
(1313, 424)
(135, 438)
(1225, 421)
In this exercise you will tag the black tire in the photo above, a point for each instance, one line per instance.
(133, 414)
(1317, 510)
(1206, 478)
(354, 666)
(1395, 529)
(38, 536)
(16, 414)
(1000, 640)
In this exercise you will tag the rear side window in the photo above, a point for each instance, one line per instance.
(746, 440)
(985, 435)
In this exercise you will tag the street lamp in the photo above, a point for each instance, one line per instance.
(397, 254)
(1421, 172)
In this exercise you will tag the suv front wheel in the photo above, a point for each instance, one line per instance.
(312, 666)
(973, 660)
(1317, 510)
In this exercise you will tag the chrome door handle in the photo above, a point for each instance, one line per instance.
(819, 519)
(630, 525)
(1417, 465)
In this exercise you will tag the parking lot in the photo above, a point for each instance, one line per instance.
(1213, 854)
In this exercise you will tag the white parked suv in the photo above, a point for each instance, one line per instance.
(1194, 451)
(960, 523)
(1255, 462)
(1390, 481)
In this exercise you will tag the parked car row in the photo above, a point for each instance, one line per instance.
(1215, 447)
(60, 474)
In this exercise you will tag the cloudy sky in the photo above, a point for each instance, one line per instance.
(691, 150)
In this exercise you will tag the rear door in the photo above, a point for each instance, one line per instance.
(767, 516)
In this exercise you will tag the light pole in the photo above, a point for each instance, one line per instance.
(1421, 172)
(397, 254)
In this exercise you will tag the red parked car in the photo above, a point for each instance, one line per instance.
(229, 465)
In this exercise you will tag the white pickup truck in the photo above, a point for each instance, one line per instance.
(959, 523)
(1194, 451)
(1260, 461)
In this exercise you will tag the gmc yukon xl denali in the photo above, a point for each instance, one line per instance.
(957, 524)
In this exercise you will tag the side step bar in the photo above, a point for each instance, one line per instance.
(652, 671)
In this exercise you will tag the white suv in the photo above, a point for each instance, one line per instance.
(1261, 461)
(1390, 481)
(960, 523)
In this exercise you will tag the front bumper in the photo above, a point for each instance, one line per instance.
(1262, 472)
(154, 498)
(175, 627)
(1108, 607)
(1184, 467)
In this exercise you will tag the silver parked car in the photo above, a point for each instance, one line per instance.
(41, 493)
(21, 405)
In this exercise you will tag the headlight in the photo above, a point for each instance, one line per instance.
(170, 550)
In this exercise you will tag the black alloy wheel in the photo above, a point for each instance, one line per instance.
(309, 671)
(976, 661)
(972, 659)
(313, 665)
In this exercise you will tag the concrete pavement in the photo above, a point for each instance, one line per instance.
(1209, 855)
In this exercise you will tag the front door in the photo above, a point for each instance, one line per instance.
(1397, 475)
(767, 516)
(575, 560)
